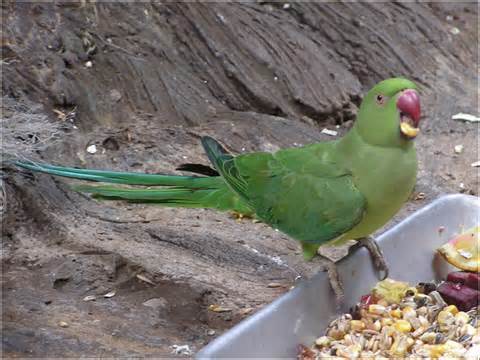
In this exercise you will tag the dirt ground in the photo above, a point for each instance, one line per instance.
(143, 82)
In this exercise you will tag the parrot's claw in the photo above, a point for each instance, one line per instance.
(376, 254)
(331, 268)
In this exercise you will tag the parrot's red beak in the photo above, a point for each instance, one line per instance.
(409, 106)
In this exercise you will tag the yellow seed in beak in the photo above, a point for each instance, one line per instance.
(408, 130)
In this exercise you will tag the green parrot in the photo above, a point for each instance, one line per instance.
(322, 193)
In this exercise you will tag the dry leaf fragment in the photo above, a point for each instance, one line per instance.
(246, 311)
(218, 308)
(274, 285)
(89, 298)
(145, 279)
(110, 294)
(420, 196)
(60, 115)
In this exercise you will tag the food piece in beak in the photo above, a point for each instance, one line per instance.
(408, 130)
(409, 106)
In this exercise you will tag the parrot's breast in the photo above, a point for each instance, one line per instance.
(386, 178)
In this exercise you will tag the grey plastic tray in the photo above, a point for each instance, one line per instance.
(302, 314)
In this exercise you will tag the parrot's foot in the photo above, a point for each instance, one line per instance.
(375, 253)
(331, 268)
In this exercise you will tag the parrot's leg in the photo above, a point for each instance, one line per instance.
(376, 254)
(310, 252)
(331, 268)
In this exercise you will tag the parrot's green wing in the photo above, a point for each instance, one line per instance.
(303, 192)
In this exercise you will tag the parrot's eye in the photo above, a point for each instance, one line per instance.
(380, 99)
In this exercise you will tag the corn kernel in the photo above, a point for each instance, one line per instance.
(376, 309)
(445, 317)
(386, 322)
(468, 329)
(399, 346)
(453, 349)
(415, 322)
(377, 325)
(388, 331)
(349, 352)
(451, 309)
(423, 321)
(437, 350)
(322, 341)
(408, 311)
(336, 334)
(402, 326)
(428, 337)
(422, 311)
(419, 332)
(397, 313)
(357, 325)
(461, 318)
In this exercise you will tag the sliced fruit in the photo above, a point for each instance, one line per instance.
(463, 251)
(462, 296)
(391, 291)
(471, 279)
(459, 277)
(367, 300)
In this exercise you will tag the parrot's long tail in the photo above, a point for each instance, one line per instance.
(168, 190)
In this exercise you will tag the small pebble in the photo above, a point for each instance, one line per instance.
(329, 132)
(454, 31)
(458, 149)
(92, 149)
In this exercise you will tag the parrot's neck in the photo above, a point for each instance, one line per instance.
(372, 136)
(348, 149)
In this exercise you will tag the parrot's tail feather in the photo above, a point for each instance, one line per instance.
(214, 151)
(169, 195)
(119, 177)
(221, 198)
(168, 190)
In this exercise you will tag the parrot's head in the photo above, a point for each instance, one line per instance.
(390, 113)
